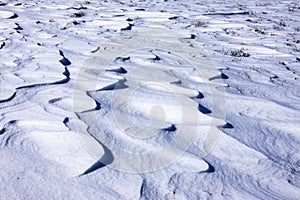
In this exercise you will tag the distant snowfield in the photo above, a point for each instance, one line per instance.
(95, 104)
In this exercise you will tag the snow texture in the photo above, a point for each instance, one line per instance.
(69, 124)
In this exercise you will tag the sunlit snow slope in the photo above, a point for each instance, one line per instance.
(65, 123)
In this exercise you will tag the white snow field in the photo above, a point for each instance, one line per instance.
(150, 99)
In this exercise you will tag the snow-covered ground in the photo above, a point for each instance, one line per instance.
(150, 99)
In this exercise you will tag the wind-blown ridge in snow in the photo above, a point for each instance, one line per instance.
(55, 145)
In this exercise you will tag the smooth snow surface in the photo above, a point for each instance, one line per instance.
(150, 99)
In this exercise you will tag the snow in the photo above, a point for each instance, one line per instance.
(149, 100)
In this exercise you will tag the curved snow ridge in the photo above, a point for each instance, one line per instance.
(7, 15)
(29, 82)
(255, 48)
(42, 131)
(148, 93)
